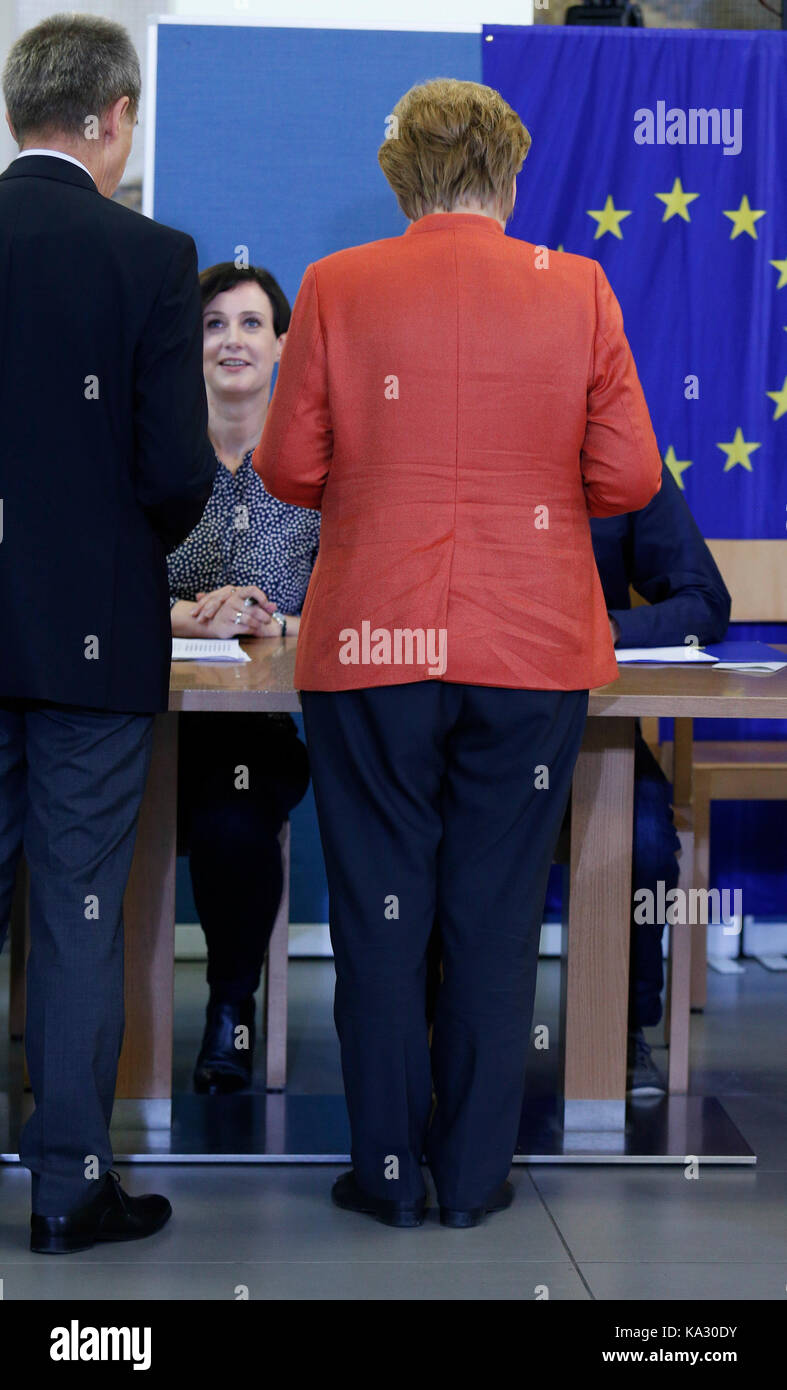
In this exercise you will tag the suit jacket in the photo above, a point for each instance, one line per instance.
(457, 413)
(661, 553)
(105, 462)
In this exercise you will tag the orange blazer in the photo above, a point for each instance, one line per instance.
(457, 409)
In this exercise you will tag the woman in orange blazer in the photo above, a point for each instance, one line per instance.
(457, 403)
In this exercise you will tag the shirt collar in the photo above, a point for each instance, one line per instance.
(56, 154)
(445, 221)
(244, 461)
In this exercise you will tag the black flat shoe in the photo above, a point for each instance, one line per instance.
(111, 1214)
(459, 1219)
(221, 1066)
(347, 1194)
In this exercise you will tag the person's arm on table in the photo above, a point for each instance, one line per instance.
(215, 614)
(674, 571)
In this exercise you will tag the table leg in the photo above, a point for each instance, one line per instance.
(595, 976)
(145, 1072)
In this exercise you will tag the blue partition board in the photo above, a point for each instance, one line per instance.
(267, 138)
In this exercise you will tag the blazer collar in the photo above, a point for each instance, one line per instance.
(446, 221)
(48, 166)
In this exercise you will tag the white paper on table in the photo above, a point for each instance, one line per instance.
(667, 655)
(208, 649)
(751, 668)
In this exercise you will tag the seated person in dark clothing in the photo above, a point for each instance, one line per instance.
(660, 552)
(242, 572)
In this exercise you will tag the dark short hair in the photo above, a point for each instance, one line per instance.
(66, 69)
(226, 275)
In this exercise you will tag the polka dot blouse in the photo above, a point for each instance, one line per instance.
(246, 536)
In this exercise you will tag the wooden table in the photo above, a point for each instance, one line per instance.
(596, 971)
(596, 977)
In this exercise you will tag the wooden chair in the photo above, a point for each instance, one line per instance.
(675, 759)
(681, 946)
(274, 1005)
(274, 1008)
(705, 771)
(754, 770)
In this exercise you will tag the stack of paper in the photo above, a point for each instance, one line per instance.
(208, 649)
(662, 655)
(750, 658)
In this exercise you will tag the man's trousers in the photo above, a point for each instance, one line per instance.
(71, 783)
(437, 802)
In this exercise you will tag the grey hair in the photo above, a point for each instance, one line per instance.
(66, 69)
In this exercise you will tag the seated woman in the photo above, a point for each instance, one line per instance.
(243, 571)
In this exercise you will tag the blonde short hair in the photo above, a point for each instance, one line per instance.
(451, 143)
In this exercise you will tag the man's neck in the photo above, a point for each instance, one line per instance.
(60, 148)
(74, 151)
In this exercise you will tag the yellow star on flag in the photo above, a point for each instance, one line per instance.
(743, 219)
(676, 466)
(609, 218)
(676, 202)
(781, 266)
(780, 397)
(738, 452)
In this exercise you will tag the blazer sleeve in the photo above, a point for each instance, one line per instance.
(174, 463)
(294, 454)
(620, 460)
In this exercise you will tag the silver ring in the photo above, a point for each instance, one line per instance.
(238, 617)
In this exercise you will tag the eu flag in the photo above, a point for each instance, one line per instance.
(661, 154)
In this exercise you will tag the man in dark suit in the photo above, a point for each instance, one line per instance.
(104, 466)
(659, 552)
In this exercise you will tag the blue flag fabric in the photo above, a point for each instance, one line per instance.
(661, 155)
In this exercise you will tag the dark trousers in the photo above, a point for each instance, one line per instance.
(239, 776)
(653, 859)
(71, 782)
(432, 806)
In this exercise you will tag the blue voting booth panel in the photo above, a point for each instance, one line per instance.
(267, 138)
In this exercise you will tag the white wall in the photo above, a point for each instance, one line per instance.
(7, 36)
(18, 15)
(365, 14)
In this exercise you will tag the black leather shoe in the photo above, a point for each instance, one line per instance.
(111, 1214)
(347, 1194)
(472, 1215)
(221, 1066)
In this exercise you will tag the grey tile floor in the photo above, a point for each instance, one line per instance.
(582, 1232)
